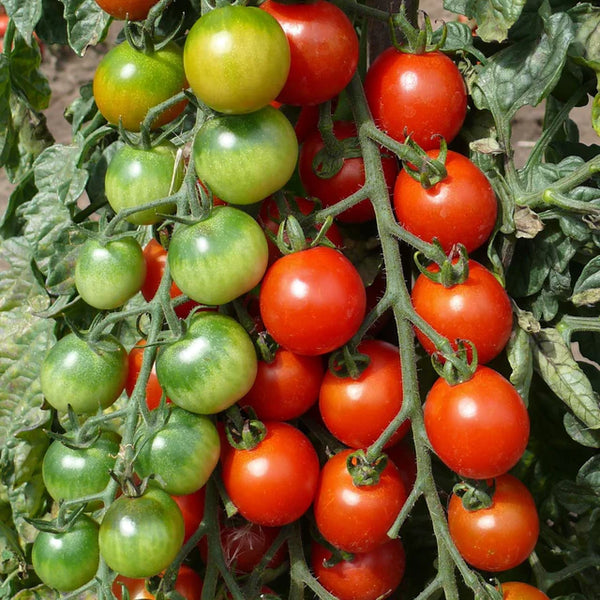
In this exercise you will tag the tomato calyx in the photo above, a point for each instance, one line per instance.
(348, 362)
(452, 271)
(475, 494)
(243, 430)
(142, 35)
(363, 470)
(63, 522)
(431, 171)
(456, 367)
(418, 41)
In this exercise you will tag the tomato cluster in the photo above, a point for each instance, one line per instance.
(260, 368)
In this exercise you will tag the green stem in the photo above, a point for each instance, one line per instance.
(570, 324)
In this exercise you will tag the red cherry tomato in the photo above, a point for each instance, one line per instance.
(349, 179)
(134, 10)
(403, 456)
(192, 509)
(420, 95)
(370, 575)
(286, 387)
(460, 209)
(478, 428)
(478, 310)
(312, 301)
(154, 391)
(356, 411)
(188, 584)
(356, 518)
(274, 483)
(516, 590)
(323, 48)
(500, 537)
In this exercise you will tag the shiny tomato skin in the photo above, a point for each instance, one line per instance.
(153, 390)
(286, 387)
(500, 537)
(356, 411)
(517, 590)
(422, 95)
(349, 179)
(460, 209)
(479, 310)
(134, 10)
(356, 518)
(312, 301)
(274, 483)
(370, 575)
(236, 58)
(156, 258)
(128, 83)
(188, 584)
(324, 50)
(192, 509)
(478, 428)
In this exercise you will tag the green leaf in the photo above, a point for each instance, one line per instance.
(25, 14)
(494, 17)
(520, 357)
(586, 290)
(580, 433)
(82, 108)
(87, 24)
(525, 72)
(589, 474)
(576, 498)
(555, 363)
(586, 45)
(7, 132)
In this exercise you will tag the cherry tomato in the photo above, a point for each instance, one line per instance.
(192, 509)
(236, 58)
(500, 537)
(312, 301)
(349, 179)
(274, 483)
(478, 310)
(421, 95)
(153, 390)
(188, 584)
(372, 575)
(479, 428)
(356, 411)
(516, 590)
(460, 209)
(323, 47)
(286, 387)
(356, 518)
(134, 10)
(128, 83)
(403, 456)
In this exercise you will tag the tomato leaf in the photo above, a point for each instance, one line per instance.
(586, 290)
(586, 46)
(87, 24)
(26, 15)
(520, 357)
(580, 433)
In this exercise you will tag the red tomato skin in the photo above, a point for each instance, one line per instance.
(517, 590)
(422, 95)
(478, 428)
(403, 456)
(153, 389)
(286, 387)
(155, 256)
(188, 584)
(349, 179)
(478, 310)
(500, 537)
(368, 576)
(312, 301)
(192, 509)
(324, 50)
(134, 10)
(353, 518)
(356, 411)
(274, 483)
(460, 209)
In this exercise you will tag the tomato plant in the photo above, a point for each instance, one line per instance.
(236, 59)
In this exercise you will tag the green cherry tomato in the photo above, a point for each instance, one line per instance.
(108, 274)
(236, 59)
(128, 83)
(140, 536)
(182, 454)
(84, 376)
(211, 367)
(245, 158)
(65, 561)
(219, 258)
(70, 472)
(136, 176)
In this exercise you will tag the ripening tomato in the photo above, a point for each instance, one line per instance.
(517, 590)
(128, 83)
(153, 390)
(286, 387)
(500, 537)
(192, 509)
(323, 46)
(479, 428)
(349, 179)
(478, 310)
(273, 483)
(188, 584)
(134, 10)
(460, 209)
(312, 301)
(420, 95)
(236, 58)
(356, 411)
(372, 575)
(356, 518)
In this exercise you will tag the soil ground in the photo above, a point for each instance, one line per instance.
(66, 72)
